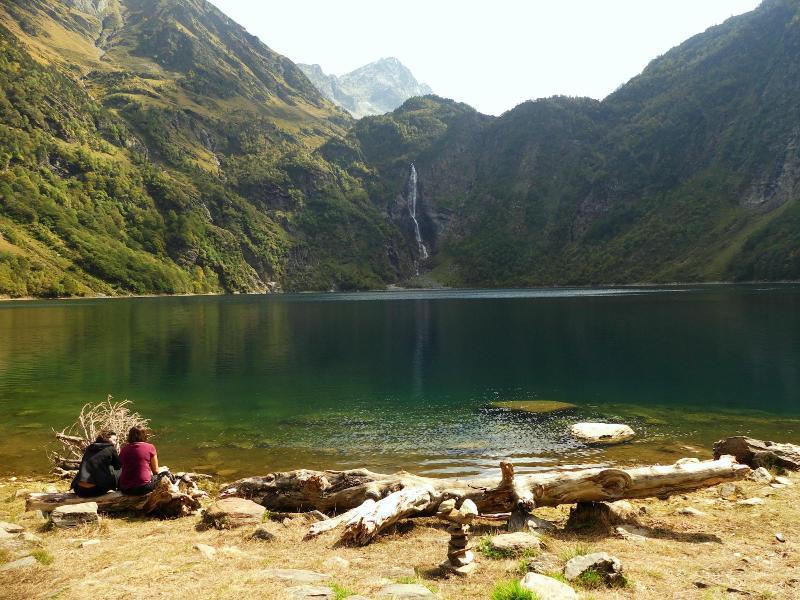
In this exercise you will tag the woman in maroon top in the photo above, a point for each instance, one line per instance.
(139, 474)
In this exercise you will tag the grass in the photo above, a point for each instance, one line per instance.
(669, 561)
(591, 579)
(341, 592)
(512, 590)
(43, 557)
(5, 556)
(418, 581)
(486, 548)
(579, 549)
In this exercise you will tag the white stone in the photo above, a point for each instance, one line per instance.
(207, 551)
(783, 480)
(303, 592)
(751, 502)
(336, 564)
(547, 588)
(89, 543)
(602, 433)
(690, 512)
(11, 527)
(605, 564)
(295, 576)
(72, 515)
(28, 561)
(760, 475)
(515, 543)
(403, 591)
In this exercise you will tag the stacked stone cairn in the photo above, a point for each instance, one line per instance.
(460, 558)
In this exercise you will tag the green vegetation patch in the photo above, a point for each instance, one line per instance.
(512, 590)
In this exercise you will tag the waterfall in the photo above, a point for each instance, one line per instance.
(412, 210)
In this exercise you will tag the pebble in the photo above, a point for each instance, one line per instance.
(779, 537)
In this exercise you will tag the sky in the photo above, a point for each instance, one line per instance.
(493, 54)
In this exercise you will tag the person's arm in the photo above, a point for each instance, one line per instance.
(154, 464)
(115, 459)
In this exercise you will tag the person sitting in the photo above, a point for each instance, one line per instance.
(139, 458)
(99, 469)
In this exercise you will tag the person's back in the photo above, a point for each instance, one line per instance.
(139, 459)
(98, 471)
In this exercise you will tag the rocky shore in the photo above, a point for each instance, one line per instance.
(731, 540)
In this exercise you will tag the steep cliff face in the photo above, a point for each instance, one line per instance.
(373, 89)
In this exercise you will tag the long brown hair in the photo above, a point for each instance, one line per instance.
(137, 434)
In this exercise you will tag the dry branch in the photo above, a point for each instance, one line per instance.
(93, 418)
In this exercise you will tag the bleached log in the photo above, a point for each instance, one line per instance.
(760, 453)
(321, 527)
(347, 490)
(365, 525)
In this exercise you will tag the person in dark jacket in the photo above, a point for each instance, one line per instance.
(100, 466)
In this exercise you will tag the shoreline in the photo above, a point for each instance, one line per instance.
(394, 288)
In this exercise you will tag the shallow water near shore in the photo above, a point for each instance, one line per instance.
(240, 385)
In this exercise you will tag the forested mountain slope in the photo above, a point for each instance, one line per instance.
(155, 146)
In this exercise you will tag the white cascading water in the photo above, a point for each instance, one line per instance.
(412, 210)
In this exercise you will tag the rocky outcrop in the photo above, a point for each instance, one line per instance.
(373, 89)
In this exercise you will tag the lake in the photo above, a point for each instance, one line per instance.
(241, 385)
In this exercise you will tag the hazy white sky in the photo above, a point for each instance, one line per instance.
(492, 55)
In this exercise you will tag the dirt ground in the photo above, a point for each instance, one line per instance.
(732, 551)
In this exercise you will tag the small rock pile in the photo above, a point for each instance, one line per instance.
(460, 558)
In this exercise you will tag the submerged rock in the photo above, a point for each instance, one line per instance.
(602, 433)
(534, 406)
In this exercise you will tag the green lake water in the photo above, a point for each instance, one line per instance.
(242, 385)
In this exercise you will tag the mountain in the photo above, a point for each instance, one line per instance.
(689, 172)
(154, 146)
(374, 89)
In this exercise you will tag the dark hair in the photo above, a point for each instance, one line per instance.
(105, 435)
(137, 434)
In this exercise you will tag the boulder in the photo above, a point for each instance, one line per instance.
(515, 543)
(230, 513)
(760, 475)
(729, 491)
(11, 527)
(547, 588)
(302, 592)
(22, 563)
(295, 576)
(609, 567)
(602, 433)
(543, 564)
(73, 515)
(404, 591)
(262, 533)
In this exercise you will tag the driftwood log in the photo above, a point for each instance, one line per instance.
(371, 502)
(759, 453)
(168, 500)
